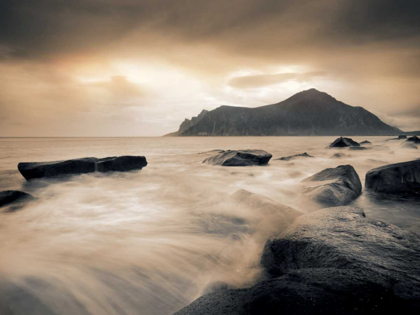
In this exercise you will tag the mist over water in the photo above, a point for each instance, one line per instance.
(151, 241)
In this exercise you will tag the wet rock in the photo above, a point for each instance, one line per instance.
(344, 142)
(8, 197)
(366, 142)
(296, 156)
(121, 164)
(414, 139)
(400, 179)
(333, 261)
(339, 156)
(333, 186)
(402, 137)
(359, 148)
(80, 166)
(240, 158)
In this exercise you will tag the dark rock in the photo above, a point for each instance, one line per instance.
(80, 166)
(365, 142)
(121, 164)
(401, 179)
(333, 261)
(240, 158)
(344, 142)
(14, 196)
(333, 186)
(414, 139)
(402, 137)
(292, 157)
(339, 156)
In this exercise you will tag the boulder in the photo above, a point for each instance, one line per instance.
(402, 137)
(344, 142)
(414, 139)
(80, 166)
(400, 179)
(365, 142)
(296, 156)
(240, 158)
(333, 261)
(14, 196)
(333, 186)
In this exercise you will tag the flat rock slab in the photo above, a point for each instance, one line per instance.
(296, 156)
(8, 197)
(240, 158)
(344, 142)
(81, 166)
(400, 179)
(333, 186)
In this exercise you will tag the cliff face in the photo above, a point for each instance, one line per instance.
(187, 123)
(306, 113)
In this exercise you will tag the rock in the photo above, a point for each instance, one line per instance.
(339, 156)
(359, 148)
(409, 146)
(333, 261)
(400, 179)
(240, 158)
(121, 164)
(344, 142)
(402, 137)
(414, 139)
(292, 157)
(333, 186)
(365, 142)
(14, 196)
(80, 166)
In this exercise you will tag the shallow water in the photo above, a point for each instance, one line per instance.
(149, 242)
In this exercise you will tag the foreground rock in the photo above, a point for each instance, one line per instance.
(240, 158)
(400, 179)
(333, 261)
(333, 186)
(8, 197)
(344, 142)
(296, 156)
(81, 166)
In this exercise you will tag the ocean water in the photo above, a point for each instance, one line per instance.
(151, 241)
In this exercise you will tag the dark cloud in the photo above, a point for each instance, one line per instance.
(255, 81)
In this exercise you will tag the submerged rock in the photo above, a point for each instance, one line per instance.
(240, 158)
(81, 166)
(333, 186)
(359, 148)
(333, 261)
(292, 157)
(344, 142)
(400, 179)
(414, 139)
(8, 197)
(339, 156)
(409, 146)
(402, 137)
(366, 142)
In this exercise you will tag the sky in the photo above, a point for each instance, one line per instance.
(140, 67)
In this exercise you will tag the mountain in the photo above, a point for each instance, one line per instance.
(187, 123)
(308, 113)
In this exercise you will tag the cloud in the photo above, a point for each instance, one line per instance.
(119, 87)
(255, 81)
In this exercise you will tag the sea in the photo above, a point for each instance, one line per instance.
(151, 241)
